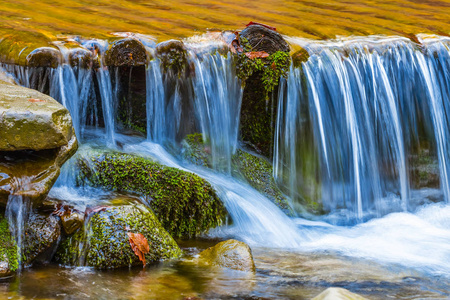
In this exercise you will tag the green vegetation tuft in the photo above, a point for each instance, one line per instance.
(8, 247)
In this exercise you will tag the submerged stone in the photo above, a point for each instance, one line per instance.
(230, 254)
(186, 204)
(8, 250)
(334, 293)
(104, 242)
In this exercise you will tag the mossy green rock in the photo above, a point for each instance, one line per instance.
(253, 169)
(104, 243)
(8, 250)
(338, 294)
(30, 120)
(230, 254)
(186, 204)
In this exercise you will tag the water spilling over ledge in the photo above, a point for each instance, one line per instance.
(352, 125)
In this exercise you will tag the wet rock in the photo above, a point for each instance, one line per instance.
(424, 171)
(172, 54)
(338, 294)
(37, 138)
(185, 203)
(299, 57)
(126, 52)
(230, 254)
(30, 120)
(104, 242)
(42, 234)
(27, 48)
(253, 169)
(80, 57)
(44, 57)
(8, 250)
(72, 222)
(262, 38)
(261, 77)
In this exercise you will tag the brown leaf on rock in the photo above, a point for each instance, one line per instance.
(95, 209)
(33, 100)
(258, 54)
(139, 244)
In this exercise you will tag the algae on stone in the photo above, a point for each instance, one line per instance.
(230, 254)
(104, 242)
(8, 250)
(186, 204)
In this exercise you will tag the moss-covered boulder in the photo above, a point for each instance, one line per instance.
(230, 254)
(260, 76)
(8, 250)
(41, 237)
(186, 204)
(104, 242)
(334, 293)
(256, 170)
(36, 140)
(126, 52)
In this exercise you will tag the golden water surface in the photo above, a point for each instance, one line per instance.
(317, 19)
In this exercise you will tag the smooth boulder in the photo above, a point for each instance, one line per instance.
(334, 293)
(104, 243)
(230, 254)
(36, 139)
(30, 120)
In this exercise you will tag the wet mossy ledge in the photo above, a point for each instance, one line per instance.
(9, 262)
(186, 204)
(252, 168)
(263, 58)
(104, 242)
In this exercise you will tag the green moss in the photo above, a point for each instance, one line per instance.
(173, 57)
(270, 69)
(253, 169)
(8, 247)
(105, 243)
(195, 151)
(185, 204)
(258, 172)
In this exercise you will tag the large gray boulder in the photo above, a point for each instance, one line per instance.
(30, 120)
(36, 139)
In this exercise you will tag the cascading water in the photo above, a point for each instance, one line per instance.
(218, 96)
(364, 120)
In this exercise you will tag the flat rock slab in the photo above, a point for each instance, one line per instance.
(30, 120)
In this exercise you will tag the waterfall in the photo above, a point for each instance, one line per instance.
(362, 100)
(217, 102)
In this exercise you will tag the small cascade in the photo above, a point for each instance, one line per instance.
(156, 108)
(218, 96)
(364, 101)
(17, 212)
(434, 69)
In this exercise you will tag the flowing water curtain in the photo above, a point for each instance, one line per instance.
(156, 103)
(217, 103)
(361, 110)
(434, 68)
